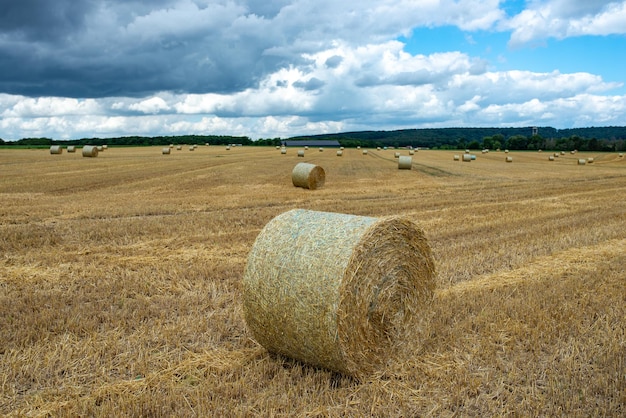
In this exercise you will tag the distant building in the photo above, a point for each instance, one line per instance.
(312, 143)
(535, 131)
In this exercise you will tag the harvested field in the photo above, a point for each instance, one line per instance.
(121, 283)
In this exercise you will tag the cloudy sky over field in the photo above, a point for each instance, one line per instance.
(278, 68)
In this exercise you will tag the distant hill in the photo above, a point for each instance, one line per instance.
(546, 137)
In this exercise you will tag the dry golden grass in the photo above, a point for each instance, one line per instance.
(120, 283)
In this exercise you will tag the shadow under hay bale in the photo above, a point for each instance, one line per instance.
(308, 176)
(343, 292)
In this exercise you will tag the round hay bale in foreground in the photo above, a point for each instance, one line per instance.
(338, 291)
(405, 162)
(308, 176)
(90, 151)
(56, 149)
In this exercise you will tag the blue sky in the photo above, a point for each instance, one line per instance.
(280, 68)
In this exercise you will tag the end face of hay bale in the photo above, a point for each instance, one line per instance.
(308, 176)
(90, 151)
(405, 162)
(338, 291)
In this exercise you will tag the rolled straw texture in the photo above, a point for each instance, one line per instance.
(56, 149)
(90, 151)
(309, 176)
(165, 150)
(338, 291)
(405, 162)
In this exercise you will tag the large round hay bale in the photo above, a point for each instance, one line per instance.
(405, 162)
(338, 291)
(582, 161)
(165, 151)
(467, 158)
(590, 160)
(56, 149)
(551, 158)
(90, 151)
(308, 176)
(71, 148)
(339, 153)
(364, 152)
(509, 159)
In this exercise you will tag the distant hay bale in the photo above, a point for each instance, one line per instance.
(582, 161)
(456, 157)
(277, 146)
(306, 147)
(411, 152)
(467, 151)
(472, 157)
(339, 153)
(341, 148)
(228, 148)
(165, 151)
(551, 158)
(71, 148)
(509, 159)
(100, 148)
(562, 152)
(179, 147)
(364, 152)
(396, 155)
(321, 149)
(405, 162)
(191, 148)
(377, 148)
(90, 151)
(347, 293)
(283, 150)
(56, 149)
(506, 151)
(590, 160)
(301, 153)
(358, 147)
(308, 176)
(105, 146)
(467, 158)
(620, 155)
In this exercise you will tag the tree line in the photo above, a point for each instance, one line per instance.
(611, 138)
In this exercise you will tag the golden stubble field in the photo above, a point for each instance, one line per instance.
(120, 283)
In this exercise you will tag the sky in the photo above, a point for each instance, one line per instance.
(72, 69)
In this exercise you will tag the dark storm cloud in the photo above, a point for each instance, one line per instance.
(106, 48)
